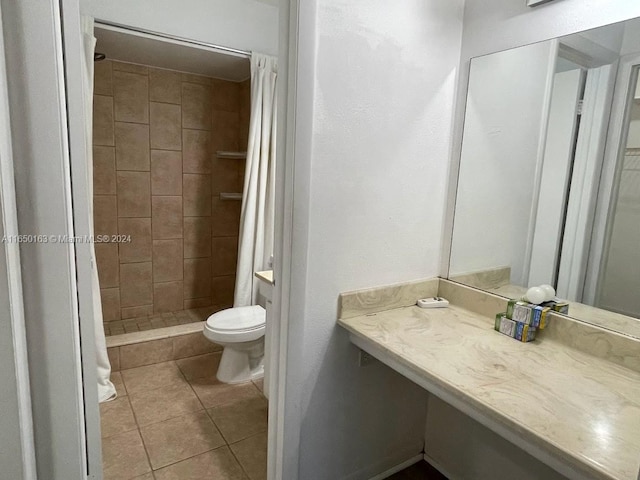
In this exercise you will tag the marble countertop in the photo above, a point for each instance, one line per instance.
(577, 413)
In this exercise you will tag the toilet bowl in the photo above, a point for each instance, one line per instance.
(240, 331)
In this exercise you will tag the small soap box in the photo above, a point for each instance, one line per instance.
(528, 313)
(518, 330)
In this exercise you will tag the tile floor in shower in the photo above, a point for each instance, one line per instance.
(160, 320)
(175, 421)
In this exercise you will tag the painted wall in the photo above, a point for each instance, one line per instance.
(242, 24)
(375, 89)
(465, 449)
(505, 119)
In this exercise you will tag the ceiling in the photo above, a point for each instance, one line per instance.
(146, 49)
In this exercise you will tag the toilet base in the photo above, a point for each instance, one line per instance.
(240, 366)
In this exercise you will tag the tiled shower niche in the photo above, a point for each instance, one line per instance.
(157, 178)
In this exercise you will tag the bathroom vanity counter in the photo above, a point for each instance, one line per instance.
(577, 413)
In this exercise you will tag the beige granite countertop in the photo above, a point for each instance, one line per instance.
(578, 413)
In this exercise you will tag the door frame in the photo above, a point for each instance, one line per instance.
(625, 87)
(11, 282)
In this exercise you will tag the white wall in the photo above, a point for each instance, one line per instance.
(375, 88)
(242, 24)
(464, 449)
(505, 119)
(519, 25)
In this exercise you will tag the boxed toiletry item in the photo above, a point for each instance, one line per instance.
(527, 313)
(557, 306)
(518, 330)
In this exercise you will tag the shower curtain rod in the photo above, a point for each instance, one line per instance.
(220, 48)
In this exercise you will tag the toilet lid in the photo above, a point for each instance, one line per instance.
(238, 318)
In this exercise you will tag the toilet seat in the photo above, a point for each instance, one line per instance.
(233, 325)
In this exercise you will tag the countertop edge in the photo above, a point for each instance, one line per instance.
(549, 453)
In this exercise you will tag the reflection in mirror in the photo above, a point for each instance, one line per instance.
(549, 182)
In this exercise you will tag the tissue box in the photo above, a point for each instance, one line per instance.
(527, 313)
(518, 330)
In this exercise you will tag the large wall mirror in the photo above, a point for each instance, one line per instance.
(549, 182)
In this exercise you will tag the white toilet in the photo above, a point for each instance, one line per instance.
(240, 331)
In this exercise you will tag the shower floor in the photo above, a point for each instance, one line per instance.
(159, 320)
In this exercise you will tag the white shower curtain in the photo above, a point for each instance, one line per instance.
(255, 243)
(106, 390)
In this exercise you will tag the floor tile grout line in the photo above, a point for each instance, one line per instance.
(190, 457)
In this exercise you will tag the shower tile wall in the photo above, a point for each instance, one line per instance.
(157, 179)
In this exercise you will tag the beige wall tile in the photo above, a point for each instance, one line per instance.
(167, 260)
(226, 138)
(166, 217)
(226, 95)
(167, 297)
(146, 353)
(166, 172)
(114, 359)
(136, 312)
(196, 190)
(197, 277)
(193, 78)
(165, 124)
(131, 97)
(196, 106)
(193, 344)
(104, 170)
(134, 194)
(108, 265)
(105, 215)
(139, 248)
(222, 290)
(132, 146)
(225, 217)
(179, 438)
(165, 86)
(226, 175)
(197, 237)
(130, 67)
(135, 284)
(196, 151)
(224, 255)
(110, 298)
(103, 120)
(196, 302)
(102, 78)
(123, 456)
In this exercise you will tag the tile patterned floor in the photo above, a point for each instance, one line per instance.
(175, 421)
(138, 324)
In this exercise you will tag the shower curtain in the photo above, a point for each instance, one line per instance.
(106, 390)
(255, 243)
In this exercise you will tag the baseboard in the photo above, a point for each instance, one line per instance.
(438, 466)
(397, 468)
